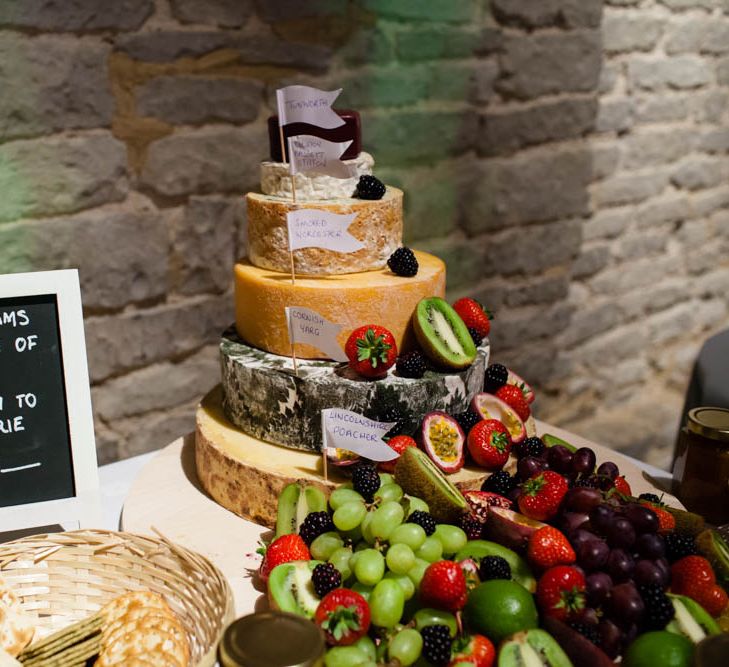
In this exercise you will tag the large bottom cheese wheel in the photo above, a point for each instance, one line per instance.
(352, 300)
(263, 397)
(377, 224)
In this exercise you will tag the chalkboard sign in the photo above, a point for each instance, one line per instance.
(48, 470)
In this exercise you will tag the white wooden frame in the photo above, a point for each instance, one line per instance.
(85, 507)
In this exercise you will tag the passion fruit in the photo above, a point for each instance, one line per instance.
(443, 440)
(491, 407)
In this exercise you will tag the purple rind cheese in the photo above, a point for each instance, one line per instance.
(350, 131)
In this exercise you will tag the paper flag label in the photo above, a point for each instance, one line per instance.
(304, 104)
(309, 153)
(312, 228)
(307, 326)
(344, 429)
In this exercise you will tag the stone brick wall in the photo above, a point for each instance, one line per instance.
(566, 159)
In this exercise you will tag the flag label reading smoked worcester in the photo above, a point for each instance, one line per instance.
(309, 153)
(307, 326)
(304, 104)
(344, 429)
(312, 228)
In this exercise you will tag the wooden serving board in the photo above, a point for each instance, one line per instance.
(167, 496)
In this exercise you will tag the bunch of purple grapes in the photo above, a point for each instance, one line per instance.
(578, 466)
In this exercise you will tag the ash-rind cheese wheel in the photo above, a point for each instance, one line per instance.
(352, 300)
(378, 224)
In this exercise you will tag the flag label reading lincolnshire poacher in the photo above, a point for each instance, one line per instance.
(309, 153)
(307, 326)
(344, 429)
(312, 228)
(304, 104)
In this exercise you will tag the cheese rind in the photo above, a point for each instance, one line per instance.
(352, 300)
(264, 398)
(378, 225)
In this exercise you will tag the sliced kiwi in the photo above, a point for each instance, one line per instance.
(687, 522)
(552, 440)
(442, 334)
(418, 476)
(520, 572)
(712, 546)
(691, 619)
(294, 503)
(532, 648)
(290, 588)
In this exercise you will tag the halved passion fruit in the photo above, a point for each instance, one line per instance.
(341, 457)
(443, 440)
(492, 407)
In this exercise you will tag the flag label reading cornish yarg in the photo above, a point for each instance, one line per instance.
(304, 104)
(307, 326)
(345, 429)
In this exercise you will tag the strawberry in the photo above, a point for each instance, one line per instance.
(344, 616)
(561, 592)
(474, 315)
(692, 576)
(371, 350)
(548, 547)
(515, 399)
(621, 486)
(399, 443)
(714, 600)
(443, 586)
(541, 495)
(474, 650)
(519, 382)
(489, 444)
(284, 549)
(666, 520)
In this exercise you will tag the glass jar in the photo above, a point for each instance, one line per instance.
(701, 469)
(272, 639)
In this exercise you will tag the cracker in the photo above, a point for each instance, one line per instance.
(16, 629)
(143, 643)
(137, 616)
(134, 600)
(151, 622)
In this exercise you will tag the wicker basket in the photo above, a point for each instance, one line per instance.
(65, 577)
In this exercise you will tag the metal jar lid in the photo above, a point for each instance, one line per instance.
(712, 423)
(271, 639)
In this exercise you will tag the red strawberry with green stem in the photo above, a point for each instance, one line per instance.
(489, 444)
(444, 586)
(284, 549)
(561, 592)
(476, 650)
(474, 315)
(694, 577)
(548, 547)
(371, 350)
(542, 494)
(515, 399)
(344, 616)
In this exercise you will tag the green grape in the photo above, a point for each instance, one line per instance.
(342, 495)
(427, 616)
(366, 527)
(408, 587)
(389, 492)
(345, 656)
(340, 559)
(354, 535)
(386, 604)
(369, 566)
(408, 533)
(431, 549)
(364, 591)
(386, 518)
(415, 504)
(367, 646)
(349, 515)
(452, 538)
(325, 545)
(417, 571)
(386, 478)
(400, 558)
(405, 647)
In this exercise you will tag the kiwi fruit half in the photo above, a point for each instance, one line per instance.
(442, 334)
(532, 648)
(290, 588)
(520, 571)
(295, 502)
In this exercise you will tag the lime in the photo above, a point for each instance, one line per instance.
(659, 648)
(499, 608)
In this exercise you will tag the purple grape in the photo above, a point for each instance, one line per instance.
(587, 615)
(611, 638)
(650, 545)
(582, 499)
(647, 572)
(601, 517)
(559, 458)
(583, 461)
(514, 494)
(620, 533)
(620, 565)
(580, 536)
(598, 586)
(592, 555)
(665, 568)
(529, 466)
(609, 470)
(643, 520)
(625, 605)
(571, 521)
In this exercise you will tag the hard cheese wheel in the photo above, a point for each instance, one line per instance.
(378, 224)
(372, 297)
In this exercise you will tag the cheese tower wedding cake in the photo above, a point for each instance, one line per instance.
(261, 429)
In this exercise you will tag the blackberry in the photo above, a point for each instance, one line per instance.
(533, 446)
(467, 420)
(437, 644)
(496, 376)
(411, 365)
(314, 525)
(500, 482)
(365, 480)
(589, 631)
(471, 525)
(393, 414)
(494, 567)
(589, 482)
(475, 336)
(679, 545)
(650, 497)
(325, 578)
(424, 520)
(658, 607)
(369, 187)
(402, 262)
